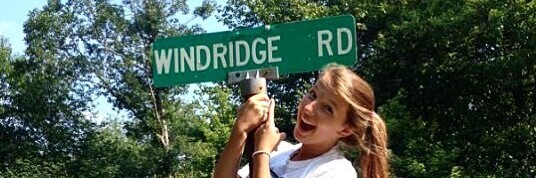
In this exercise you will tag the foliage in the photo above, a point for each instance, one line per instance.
(455, 79)
(79, 49)
(211, 130)
(41, 119)
(109, 153)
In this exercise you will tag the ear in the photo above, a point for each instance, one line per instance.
(345, 131)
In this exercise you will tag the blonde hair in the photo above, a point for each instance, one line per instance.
(369, 133)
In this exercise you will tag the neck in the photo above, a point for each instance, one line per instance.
(311, 151)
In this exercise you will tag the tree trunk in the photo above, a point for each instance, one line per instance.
(163, 136)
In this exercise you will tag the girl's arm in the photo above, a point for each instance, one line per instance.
(267, 137)
(250, 115)
(262, 166)
(227, 165)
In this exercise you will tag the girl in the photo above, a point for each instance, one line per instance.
(337, 111)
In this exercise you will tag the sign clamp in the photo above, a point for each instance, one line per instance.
(252, 81)
(238, 76)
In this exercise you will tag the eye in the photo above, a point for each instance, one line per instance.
(328, 109)
(311, 95)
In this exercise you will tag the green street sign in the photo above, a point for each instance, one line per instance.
(291, 47)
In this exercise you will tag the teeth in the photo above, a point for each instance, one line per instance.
(303, 120)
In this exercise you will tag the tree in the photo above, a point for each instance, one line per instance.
(461, 72)
(40, 115)
(466, 74)
(109, 153)
(110, 43)
(216, 114)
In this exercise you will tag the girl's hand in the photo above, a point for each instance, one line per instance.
(252, 113)
(267, 136)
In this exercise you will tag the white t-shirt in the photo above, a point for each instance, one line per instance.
(329, 164)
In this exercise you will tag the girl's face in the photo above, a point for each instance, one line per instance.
(321, 118)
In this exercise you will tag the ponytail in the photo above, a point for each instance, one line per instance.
(374, 156)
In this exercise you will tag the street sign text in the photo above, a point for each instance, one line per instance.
(292, 47)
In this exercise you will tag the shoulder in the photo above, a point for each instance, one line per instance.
(282, 155)
(284, 147)
(335, 167)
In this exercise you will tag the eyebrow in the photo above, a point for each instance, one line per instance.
(332, 103)
(330, 100)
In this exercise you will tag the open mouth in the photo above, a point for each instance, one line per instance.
(306, 126)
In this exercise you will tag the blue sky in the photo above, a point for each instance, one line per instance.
(13, 14)
(12, 17)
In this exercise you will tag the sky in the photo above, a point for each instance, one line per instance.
(13, 14)
(12, 17)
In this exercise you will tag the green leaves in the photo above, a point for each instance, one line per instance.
(453, 79)
(206, 9)
(81, 49)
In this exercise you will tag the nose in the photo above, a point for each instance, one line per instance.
(308, 106)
